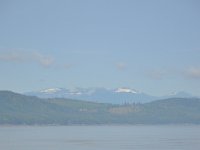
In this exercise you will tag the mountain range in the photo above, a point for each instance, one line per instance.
(103, 95)
(18, 109)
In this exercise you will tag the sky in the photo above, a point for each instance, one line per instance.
(152, 46)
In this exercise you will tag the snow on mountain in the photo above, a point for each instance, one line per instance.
(125, 90)
(103, 95)
(51, 90)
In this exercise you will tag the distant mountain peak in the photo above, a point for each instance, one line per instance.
(126, 90)
(181, 94)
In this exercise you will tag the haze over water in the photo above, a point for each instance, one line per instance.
(139, 137)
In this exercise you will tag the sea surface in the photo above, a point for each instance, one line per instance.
(136, 137)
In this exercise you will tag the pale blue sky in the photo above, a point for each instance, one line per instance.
(149, 45)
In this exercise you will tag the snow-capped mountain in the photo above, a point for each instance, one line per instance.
(103, 95)
(126, 90)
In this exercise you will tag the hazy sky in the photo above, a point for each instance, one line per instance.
(149, 45)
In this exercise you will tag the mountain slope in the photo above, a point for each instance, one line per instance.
(19, 109)
(176, 110)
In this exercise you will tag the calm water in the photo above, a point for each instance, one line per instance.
(100, 138)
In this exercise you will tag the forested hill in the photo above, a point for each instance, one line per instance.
(17, 109)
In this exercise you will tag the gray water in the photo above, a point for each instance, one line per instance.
(139, 137)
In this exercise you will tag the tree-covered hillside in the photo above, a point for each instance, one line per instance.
(19, 109)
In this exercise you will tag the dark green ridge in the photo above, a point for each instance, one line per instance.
(17, 109)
